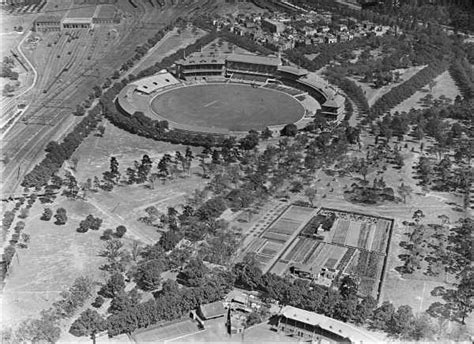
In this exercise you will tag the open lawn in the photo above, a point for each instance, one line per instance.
(171, 43)
(444, 86)
(372, 94)
(229, 106)
(126, 203)
(55, 257)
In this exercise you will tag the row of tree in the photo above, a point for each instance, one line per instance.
(462, 72)
(398, 94)
(58, 153)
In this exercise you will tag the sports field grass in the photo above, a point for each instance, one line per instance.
(227, 106)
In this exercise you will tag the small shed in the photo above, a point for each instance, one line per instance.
(212, 310)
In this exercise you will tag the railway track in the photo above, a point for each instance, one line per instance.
(25, 143)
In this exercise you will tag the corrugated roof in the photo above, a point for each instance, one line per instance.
(293, 70)
(77, 20)
(212, 310)
(339, 328)
(47, 19)
(263, 60)
(202, 58)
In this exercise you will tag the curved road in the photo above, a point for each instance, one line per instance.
(6, 107)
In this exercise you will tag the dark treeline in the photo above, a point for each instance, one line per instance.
(463, 74)
(58, 153)
(142, 125)
(169, 304)
(352, 90)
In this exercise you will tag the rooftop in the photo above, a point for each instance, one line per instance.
(155, 82)
(47, 19)
(202, 58)
(212, 310)
(293, 70)
(77, 20)
(354, 334)
(263, 60)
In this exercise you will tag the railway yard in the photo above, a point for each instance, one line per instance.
(69, 64)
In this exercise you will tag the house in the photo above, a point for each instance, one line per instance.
(319, 328)
(272, 26)
(330, 39)
(212, 310)
(324, 29)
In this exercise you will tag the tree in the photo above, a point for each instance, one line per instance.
(89, 323)
(266, 134)
(346, 309)
(98, 302)
(61, 216)
(462, 299)
(116, 256)
(47, 214)
(252, 319)
(121, 303)
(120, 231)
(418, 215)
(107, 235)
(248, 273)
(382, 316)
(365, 310)
(170, 239)
(148, 274)
(310, 193)
(289, 130)
(114, 285)
(401, 323)
(114, 169)
(80, 111)
(250, 141)
(193, 274)
(348, 287)
(163, 168)
(404, 191)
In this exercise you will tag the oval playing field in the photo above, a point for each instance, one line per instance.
(227, 106)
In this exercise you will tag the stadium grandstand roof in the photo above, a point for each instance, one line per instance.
(47, 19)
(254, 59)
(201, 58)
(337, 327)
(293, 70)
(155, 82)
(77, 20)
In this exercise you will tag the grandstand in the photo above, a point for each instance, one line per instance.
(200, 64)
(252, 64)
(161, 80)
(254, 69)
